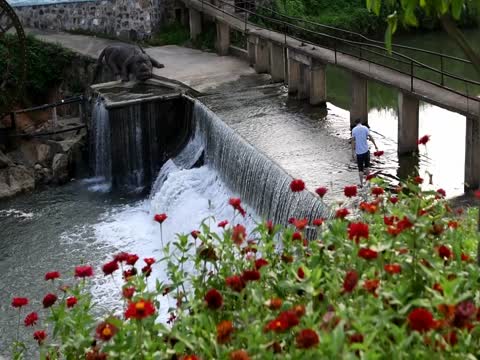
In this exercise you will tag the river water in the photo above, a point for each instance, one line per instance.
(59, 228)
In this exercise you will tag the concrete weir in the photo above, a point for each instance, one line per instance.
(148, 123)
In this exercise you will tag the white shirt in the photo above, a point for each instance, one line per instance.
(360, 134)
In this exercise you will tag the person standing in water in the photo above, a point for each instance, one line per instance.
(360, 151)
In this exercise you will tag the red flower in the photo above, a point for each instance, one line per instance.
(301, 273)
(357, 231)
(147, 270)
(321, 191)
(40, 336)
(224, 331)
(341, 213)
(19, 302)
(275, 303)
(269, 226)
(393, 268)
(239, 234)
(52, 275)
(307, 338)
(421, 320)
(451, 338)
(31, 319)
(110, 267)
(350, 281)
(259, 263)
(370, 208)
(296, 236)
(453, 224)
(239, 355)
(355, 338)
(83, 271)
(128, 292)
(317, 222)
(140, 309)
(121, 257)
(405, 223)
(464, 311)
(438, 287)
(393, 199)
(377, 191)
(389, 220)
(195, 233)
(149, 261)
(297, 185)
(300, 223)
(214, 299)
(223, 223)
(291, 220)
(477, 195)
(284, 321)
(105, 331)
(132, 259)
(190, 357)
(71, 301)
(442, 192)
(371, 286)
(423, 140)
(465, 257)
(49, 300)
(367, 254)
(235, 282)
(160, 218)
(251, 275)
(379, 153)
(236, 204)
(350, 191)
(418, 180)
(444, 252)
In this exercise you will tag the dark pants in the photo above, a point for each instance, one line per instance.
(363, 161)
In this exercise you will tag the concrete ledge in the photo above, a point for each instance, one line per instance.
(238, 52)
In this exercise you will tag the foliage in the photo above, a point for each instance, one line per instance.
(206, 39)
(173, 34)
(46, 63)
(394, 280)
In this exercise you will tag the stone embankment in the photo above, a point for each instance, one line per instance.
(42, 160)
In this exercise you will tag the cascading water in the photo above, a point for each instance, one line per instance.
(258, 180)
(102, 154)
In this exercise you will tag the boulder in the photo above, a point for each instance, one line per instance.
(60, 168)
(43, 154)
(15, 180)
(5, 161)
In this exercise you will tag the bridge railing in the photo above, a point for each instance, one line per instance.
(360, 47)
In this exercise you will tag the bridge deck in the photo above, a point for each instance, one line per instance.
(421, 89)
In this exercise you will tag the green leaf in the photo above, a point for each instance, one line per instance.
(457, 6)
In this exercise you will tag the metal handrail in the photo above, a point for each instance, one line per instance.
(413, 62)
(70, 100)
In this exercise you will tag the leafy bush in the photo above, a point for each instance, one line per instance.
(391, 278)
(173, 34)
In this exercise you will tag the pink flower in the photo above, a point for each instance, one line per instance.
(297, 185)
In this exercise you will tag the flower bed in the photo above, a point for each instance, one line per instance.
(396, 281)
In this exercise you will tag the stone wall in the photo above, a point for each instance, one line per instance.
(126, 19)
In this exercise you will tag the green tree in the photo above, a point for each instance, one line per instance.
(447, 11)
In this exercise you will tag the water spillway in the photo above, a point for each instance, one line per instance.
(157, 135)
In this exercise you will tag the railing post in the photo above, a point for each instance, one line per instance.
(335, 50)
(360, 51)
(246, 17)
(411, 75)
(441, 68)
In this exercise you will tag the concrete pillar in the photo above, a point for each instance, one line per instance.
(223, 38)
(359, 105)
(304, 85)
(195, 21)
(251, 41)
(293, 75)
(407, 123)
(277, 62)
(262, 56)
(472, 154)
(318, 83)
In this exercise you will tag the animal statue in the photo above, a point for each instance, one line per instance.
(126, 59)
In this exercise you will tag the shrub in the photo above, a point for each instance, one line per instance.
(394, 279)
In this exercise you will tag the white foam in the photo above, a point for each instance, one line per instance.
(16, 213)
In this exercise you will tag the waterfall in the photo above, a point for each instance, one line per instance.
(258, 180)
(101, 140)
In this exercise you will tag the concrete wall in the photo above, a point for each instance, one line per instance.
(127, 19)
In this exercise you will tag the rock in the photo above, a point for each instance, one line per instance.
(5, 161)
(38, 167)
(43, 154)
(15, 180)
(60, 168)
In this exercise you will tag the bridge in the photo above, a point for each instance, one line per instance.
(299, 55)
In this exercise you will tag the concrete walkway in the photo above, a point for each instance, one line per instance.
(422, 90)
(197, 69)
